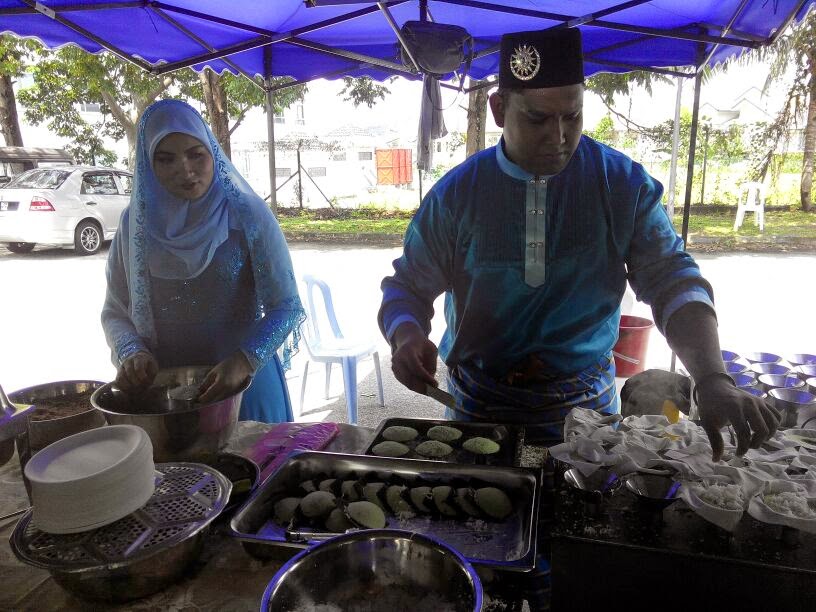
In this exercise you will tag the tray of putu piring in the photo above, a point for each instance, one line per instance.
(487, 513)
(451, 441)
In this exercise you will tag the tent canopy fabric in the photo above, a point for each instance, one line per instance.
(332, 38)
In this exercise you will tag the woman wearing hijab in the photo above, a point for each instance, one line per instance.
(199, 272)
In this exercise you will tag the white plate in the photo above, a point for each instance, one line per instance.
(87, 454)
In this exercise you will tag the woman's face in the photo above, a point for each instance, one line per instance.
(183, 166)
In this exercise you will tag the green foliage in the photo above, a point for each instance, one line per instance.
(66, 78)
(15, 53)
(363, 90)
(604, 132)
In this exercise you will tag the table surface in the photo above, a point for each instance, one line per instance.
(224, 578)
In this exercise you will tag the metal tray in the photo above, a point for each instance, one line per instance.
(509, 437)
(509, 544)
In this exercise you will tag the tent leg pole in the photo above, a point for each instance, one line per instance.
(695, 116)
(675, 148)
(270, 129)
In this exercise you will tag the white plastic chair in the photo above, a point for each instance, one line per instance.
(754, 202)
(333, 347)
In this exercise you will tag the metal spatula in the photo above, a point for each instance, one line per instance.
(12, 423)
(443, 397)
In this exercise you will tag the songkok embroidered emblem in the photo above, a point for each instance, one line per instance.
(525, 62)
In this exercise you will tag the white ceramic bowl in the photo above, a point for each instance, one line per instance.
(91, 479)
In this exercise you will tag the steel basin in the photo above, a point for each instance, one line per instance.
(407, 570)
(797, 407)
(178, 431)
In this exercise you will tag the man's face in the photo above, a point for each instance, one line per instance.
(542, 127)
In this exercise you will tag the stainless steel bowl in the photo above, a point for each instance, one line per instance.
(385, 569)
(796, 406)
(655, 491)
(179, 431)
(780, 381)
(39, 434)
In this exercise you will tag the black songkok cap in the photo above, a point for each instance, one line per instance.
(542, 58)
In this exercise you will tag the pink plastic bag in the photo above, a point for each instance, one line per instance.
(273, 448)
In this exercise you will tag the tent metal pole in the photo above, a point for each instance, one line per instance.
(270, 128)
(675, 148)
(390, 19)
(787, 22)
(695, 116)
(725, 32)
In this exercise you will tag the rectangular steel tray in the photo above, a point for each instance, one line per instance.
(508, 545)
(509, 437)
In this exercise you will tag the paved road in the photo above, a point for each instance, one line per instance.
(49, 318)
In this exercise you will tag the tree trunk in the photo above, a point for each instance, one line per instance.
(215, 98)
(810, 142)
(477, 117)
(9, 122)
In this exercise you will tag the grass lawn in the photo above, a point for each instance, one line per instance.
(713, 224)
(796, 224)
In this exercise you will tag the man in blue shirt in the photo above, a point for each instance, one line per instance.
(532, 241)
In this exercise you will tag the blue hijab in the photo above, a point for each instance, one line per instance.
(169, 237)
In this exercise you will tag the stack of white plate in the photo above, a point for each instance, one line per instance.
(91, 479)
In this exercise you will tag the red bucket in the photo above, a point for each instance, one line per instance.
(630, 349)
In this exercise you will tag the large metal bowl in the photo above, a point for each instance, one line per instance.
(797, 407)
(39, 434)
(377, 569)
(179, 431)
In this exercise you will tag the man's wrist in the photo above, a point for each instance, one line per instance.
(405, 332)
(706, 380)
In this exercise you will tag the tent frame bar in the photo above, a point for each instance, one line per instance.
(725, 33)
(192, 36)
(266, 36)
(784, 25)
(76, 8)
(609, 25)
(52, 14)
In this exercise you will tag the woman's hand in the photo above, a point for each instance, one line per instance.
(137, 372)
(225, 379)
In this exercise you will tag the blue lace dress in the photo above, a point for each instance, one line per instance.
(203, 320)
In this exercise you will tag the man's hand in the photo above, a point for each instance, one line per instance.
(137, 372)
(225, 379)
(720, 403)
(414, 359)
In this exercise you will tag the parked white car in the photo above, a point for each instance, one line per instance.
(66, 205)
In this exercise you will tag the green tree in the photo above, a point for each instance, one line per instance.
(794, 50)
(363, 90)
(604, 132)
(13, 56)
(608, 86)
(228, 98)
(66, 78)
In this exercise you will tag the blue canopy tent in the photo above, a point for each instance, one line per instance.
(313, 39)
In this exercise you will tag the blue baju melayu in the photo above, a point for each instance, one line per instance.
(193, 282)
(538, 266)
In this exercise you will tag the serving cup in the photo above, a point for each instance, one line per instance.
(744, 379)
(762, 357)
(179, 430)
(769, 368)
(654, 491)
(593, 489)
(779, 381)
(385, 568)
(806, 371)
(755, 391)
(798, 359)
(728, 356)
(797, 407)
(737, 367)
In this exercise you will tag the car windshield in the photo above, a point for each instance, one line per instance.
(39, 179)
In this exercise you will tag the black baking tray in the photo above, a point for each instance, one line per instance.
(505, 545)
(509, 437)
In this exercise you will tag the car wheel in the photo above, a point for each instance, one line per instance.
(21, 247)
(87, 238)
